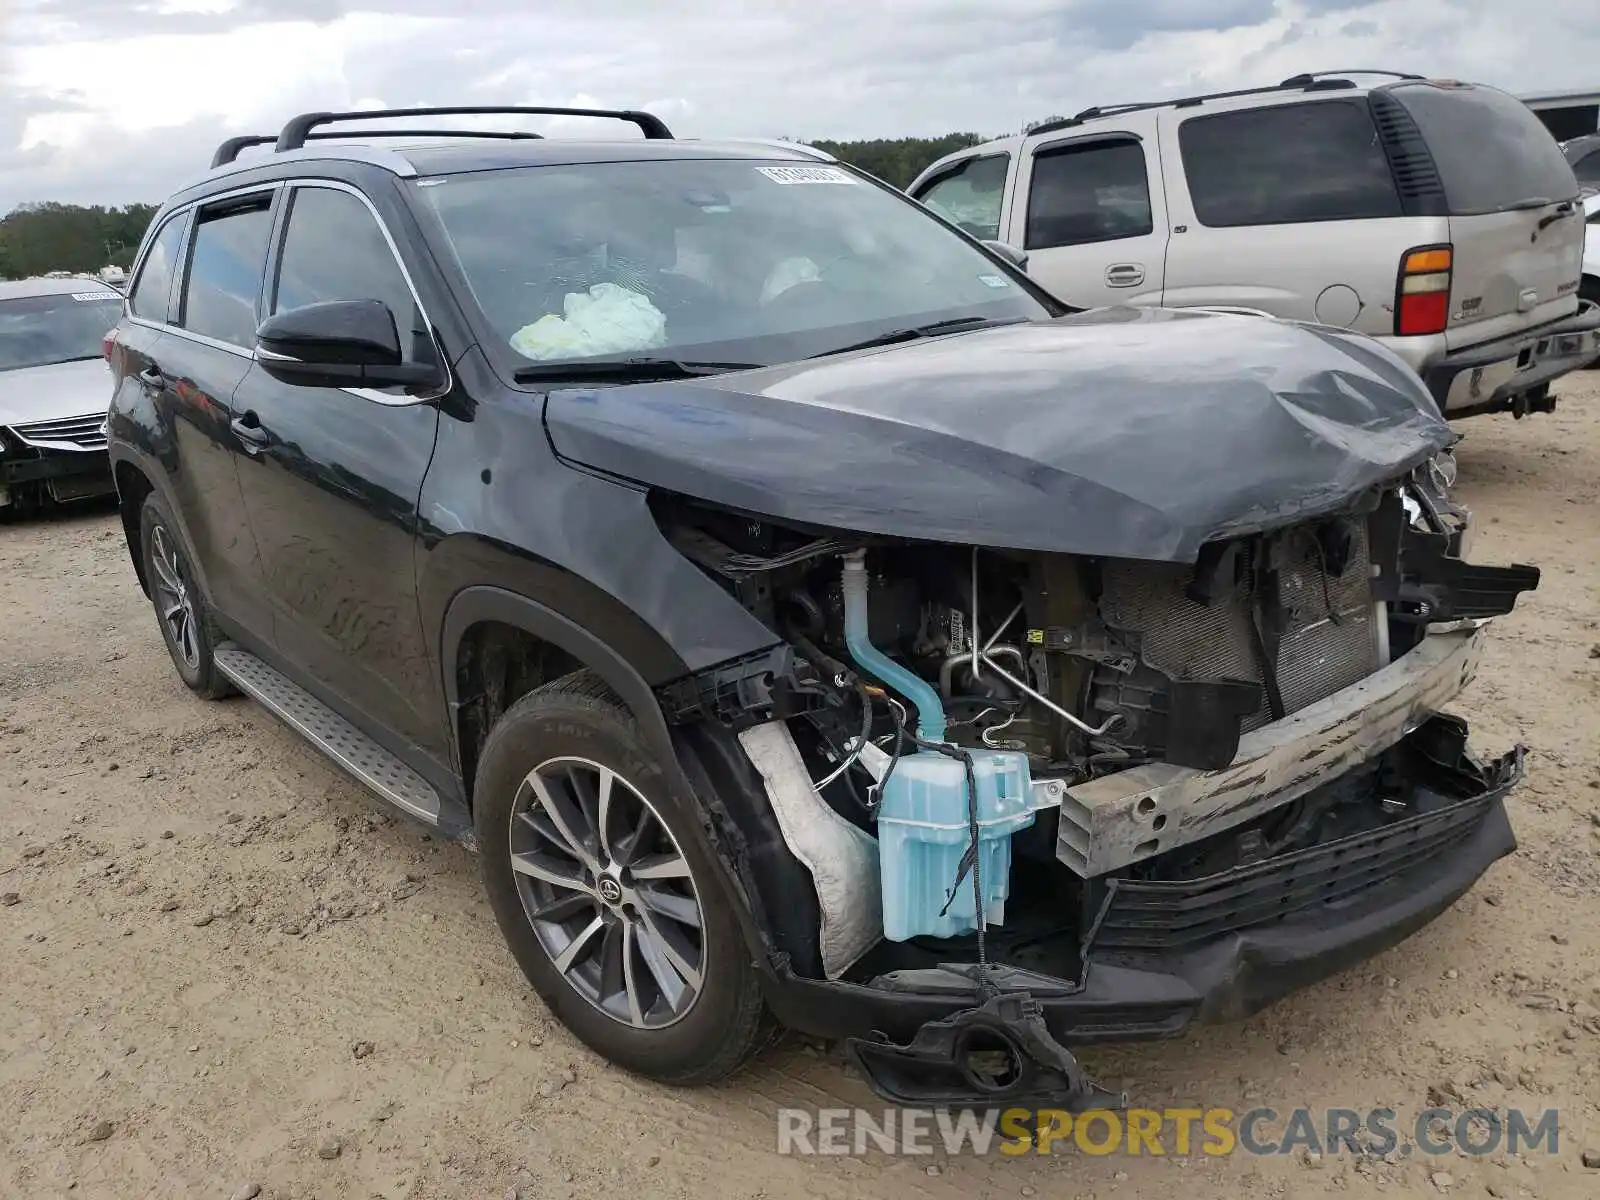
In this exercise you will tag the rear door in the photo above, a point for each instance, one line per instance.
(1089, 210)
(1516, 223)
(187, 355)
(1289, 208)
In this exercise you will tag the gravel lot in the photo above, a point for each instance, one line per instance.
(225, 969)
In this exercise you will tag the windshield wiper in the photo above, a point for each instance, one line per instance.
(915, 332)
(627, 370)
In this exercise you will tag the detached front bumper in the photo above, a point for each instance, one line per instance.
(67, 460)
(1514, 373)
(1163, 952)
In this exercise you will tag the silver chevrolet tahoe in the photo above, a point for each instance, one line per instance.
(1438, 217)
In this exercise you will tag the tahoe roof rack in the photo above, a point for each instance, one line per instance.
(1308, 81)
(302, 128)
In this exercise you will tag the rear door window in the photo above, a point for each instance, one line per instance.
(1492, 152)
(1285, 164)
(225, 267)
(969, 195)
(151, 292)
(1088, 192)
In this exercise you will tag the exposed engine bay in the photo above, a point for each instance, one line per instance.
(1093, 665)
(920, 682)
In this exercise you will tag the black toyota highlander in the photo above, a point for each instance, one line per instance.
(662, 518)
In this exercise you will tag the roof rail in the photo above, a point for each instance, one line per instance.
(295, 133)
(1309, 81)
(230, 150)
(1353, 71)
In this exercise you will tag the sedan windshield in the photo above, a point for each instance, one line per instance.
(36, 331)
(728, 260)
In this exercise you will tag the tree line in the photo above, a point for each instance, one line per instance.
(43, 237)
(37, 238)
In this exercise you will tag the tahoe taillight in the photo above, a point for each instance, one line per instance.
(1422, 300)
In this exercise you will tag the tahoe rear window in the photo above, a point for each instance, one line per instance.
(1317, 161)
(1491, 151)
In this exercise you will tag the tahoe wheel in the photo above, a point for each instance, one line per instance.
(608, 901)
(186, 625)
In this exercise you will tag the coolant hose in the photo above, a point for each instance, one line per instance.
(930, 710)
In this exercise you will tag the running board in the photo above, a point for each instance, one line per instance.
(329, 732)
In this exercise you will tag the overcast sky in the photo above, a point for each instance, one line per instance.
(113, 101)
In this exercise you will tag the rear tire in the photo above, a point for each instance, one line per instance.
(603, 891)
(181, 613)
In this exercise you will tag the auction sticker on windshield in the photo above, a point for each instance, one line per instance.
(807, 175)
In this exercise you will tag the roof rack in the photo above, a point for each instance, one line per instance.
(303, 128)
(1308, 81)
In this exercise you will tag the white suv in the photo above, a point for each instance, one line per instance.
(1439, 217)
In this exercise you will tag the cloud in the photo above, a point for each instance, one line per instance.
(121, 100)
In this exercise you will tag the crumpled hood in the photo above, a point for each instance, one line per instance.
(69, 389)
(1133, 433)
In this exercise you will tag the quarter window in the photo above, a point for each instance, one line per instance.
(969, 194)
(225, 268)
(1287, 163)
(150, 293)
(334, 249)
(1089, 192)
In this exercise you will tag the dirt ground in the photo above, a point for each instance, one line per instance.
(224, 969)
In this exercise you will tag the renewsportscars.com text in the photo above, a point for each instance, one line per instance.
(1167, 1131)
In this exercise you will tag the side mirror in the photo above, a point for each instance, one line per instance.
(340, 343)
(1017, 258)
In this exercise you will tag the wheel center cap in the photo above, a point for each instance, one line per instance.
(610, 891)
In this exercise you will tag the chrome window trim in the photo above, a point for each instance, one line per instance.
(291, 183)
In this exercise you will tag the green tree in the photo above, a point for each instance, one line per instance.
(897, 161)
(37, 238)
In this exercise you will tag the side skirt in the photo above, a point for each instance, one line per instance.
(369, 763)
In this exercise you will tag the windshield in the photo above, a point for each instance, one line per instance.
(731, 260)
(36, 331)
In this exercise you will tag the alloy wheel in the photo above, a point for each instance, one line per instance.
(608, 892)
(173, 599)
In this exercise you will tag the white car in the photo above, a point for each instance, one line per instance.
(54, 389)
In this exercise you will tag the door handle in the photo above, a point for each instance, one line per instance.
(1125, 275)
(151, 376)
(247, 428)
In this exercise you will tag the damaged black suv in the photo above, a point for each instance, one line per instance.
(799, 610)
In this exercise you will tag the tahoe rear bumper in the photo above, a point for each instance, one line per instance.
(1513, 373)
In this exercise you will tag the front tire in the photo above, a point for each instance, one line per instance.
(186, 625)
(602, 889)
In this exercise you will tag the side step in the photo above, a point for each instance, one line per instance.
(329, 732)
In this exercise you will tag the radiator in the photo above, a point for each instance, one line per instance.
(1329, 641)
